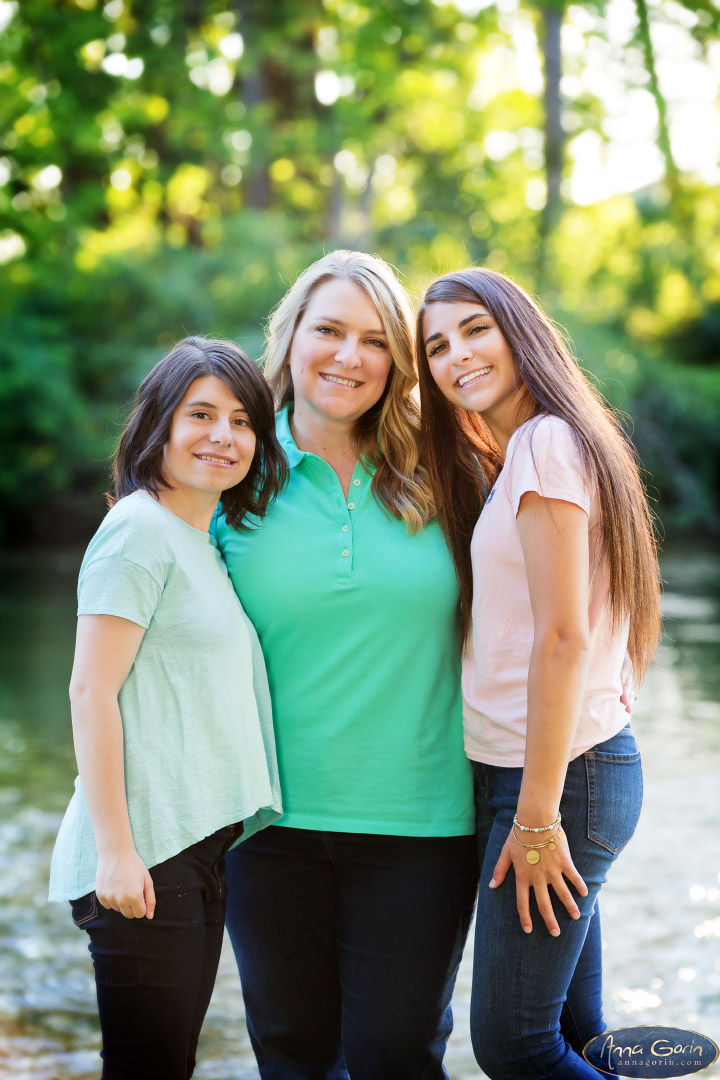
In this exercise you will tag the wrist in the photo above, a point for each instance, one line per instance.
(532, 816)
(113, 848)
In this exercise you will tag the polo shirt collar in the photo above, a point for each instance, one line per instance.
(292, 451)
(282, 429)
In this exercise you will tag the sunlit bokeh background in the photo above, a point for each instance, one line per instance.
(167, 167)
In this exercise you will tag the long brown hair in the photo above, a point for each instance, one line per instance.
(554, 385)
(138, 459)
(388, 434)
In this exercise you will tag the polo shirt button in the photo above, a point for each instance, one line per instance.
(345, 528)
(351, 506)
(345, 553)
(356, 483)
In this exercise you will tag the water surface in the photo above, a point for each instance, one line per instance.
(661, 907)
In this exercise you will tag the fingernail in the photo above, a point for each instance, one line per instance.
(527, 929)
(576, 915)
(493, 884)
(555, 932)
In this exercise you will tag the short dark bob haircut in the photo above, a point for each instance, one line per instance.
(138, 459)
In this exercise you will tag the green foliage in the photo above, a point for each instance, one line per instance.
(671, 411)
(168, 167)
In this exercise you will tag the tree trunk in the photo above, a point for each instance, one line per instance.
(552, 16)
(663, 131)
(254, 94)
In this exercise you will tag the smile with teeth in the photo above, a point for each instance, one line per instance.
(214, 460)
(471, 376)
(352, 384)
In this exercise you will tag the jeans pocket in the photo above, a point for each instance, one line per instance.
(615, 789)
(84, 909)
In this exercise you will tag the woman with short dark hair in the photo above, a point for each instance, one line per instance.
(170, 708)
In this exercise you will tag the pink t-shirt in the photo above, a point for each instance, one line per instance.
(542, 456)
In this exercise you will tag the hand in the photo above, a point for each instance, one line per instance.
(123, 884)
(552, 869)
(627, 678)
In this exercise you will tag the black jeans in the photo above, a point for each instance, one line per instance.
(154, 978)
(348, 946)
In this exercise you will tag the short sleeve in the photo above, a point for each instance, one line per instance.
(546, 460)
(115, 585)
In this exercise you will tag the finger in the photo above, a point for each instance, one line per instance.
(523, 907)
(501, 868)
(149, 896)
(566, 898)
(104, 902)
(626, 700)
(544, 903)
(574, 878)
(136, 907)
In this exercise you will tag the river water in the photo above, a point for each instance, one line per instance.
(661, 907)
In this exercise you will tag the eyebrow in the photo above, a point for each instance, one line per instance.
(339, 322)
(210, 405)
(463, 322)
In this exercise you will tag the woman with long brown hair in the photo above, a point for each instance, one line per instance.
(559, 577)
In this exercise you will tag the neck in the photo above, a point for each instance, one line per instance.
(315, 434)
(503, 427)
(195, 508)
(502, 436)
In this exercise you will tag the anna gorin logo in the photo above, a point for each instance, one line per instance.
(650, 1051)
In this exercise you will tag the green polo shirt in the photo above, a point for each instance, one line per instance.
(358, 624)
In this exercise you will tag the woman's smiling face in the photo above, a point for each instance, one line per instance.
(211, 445)
(339, 358)
(471, 362)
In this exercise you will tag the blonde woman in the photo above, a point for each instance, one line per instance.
(559, 577)
(348, 917)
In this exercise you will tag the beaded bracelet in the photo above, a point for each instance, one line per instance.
(537, 828)
(533, 855)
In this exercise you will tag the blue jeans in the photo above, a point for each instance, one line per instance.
(537, 1000)
(348, 946)
(154, 977)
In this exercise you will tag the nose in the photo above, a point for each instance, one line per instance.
(348, 353)
(460, 350)
(221, 431)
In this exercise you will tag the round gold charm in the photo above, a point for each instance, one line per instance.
(533, 857)
(552, 845)
(560, 834)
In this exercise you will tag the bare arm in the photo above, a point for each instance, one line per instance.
(105, 649)
(554, 538)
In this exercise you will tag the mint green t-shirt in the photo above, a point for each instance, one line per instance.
(358, 624)
(199, 751)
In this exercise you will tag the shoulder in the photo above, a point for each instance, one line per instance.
(133, 530)
(549, 445)
(546, 434)
(545, 457)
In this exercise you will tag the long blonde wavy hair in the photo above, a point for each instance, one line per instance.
(388, 434)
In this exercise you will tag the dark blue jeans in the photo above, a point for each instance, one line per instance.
(154, 977)
(537, 1000)
(348, 947)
